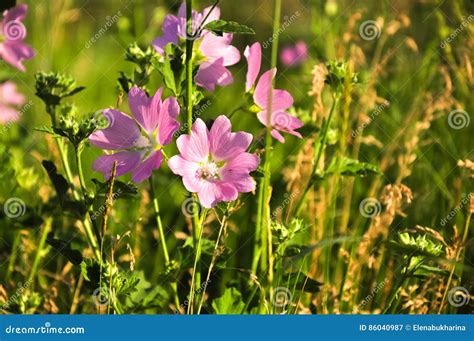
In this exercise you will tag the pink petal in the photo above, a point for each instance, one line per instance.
(8, 114)
(188, 170)
(14, 52)
(224, 144)
(262, 90)
(170, 33)
(253, 54)
(168, 124)
(281, 121)
(211, 74)
(16, 13)
(10, 95)
(122, 132)
(195, 147)
(277, 136)
(215, 14)
(281, 99)
(146, 167)
(126, 162)
(214, 47)
(243, 163)
(145, 110)
(211, 193)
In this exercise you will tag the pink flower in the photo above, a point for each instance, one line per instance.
(214, 164)
(10, 99)
(281, 100)
(13, 49)
(216, 53)
(294, 55)
(138, 154)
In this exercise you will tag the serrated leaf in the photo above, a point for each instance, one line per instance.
(219, 27)
(64, 248)
(59, 182)
(351, 167)
(229, 303)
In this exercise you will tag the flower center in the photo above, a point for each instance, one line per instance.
(209, 171)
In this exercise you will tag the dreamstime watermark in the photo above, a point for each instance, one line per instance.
(201, 289)
(101, 210)
(459, 296)
(281, 297)
(190, 207)
(370, 207)
(14, 208)
(458, 119)
(110, 21)
(46, 329)
(101, 296)
(370, 30)
(464, 201)
(465, 23)
(378, 110)
(14, 30)
(18, 115)
(16, 296)
(286, 201)
(288, 21)
(201, 109)
(371, 295)
(103, 119)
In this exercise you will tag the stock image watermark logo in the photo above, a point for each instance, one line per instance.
(103, 119)
(464, 24)
(101, 296)
(14, 30)
(371, 296)
(370, 207)
(370, 30)
(464, 201)
(190, 207)
(110, 21)
(373, 115)
(197, 112)
(14, 208)
(101, 210)
(458, 119)
(281, 297)
(459, 296)
(287, 22)
(16, 296)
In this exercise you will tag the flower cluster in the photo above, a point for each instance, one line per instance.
(214, 53)
(213, 162)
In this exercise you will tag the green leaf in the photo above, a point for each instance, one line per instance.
(351, 167)
(219, 27)
(64, 248)
(121, 189)
(229, 303)
(59, 182)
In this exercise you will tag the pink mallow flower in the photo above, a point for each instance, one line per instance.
(214, 53)
(214, 164)
(13, 49)
(137, 141)
(281, 100)
(10, 100)
(295, 54)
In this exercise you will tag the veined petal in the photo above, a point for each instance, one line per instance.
(145, 110)
(126, 162)
(144, 170)
(262, 90)
(214, 47)
(224, 145)
(195, 147)
(211, 193)
(16, 13)
(186, 169)
(213, 73)
(168, 124)
(122, 132)
(253, 54)
(170, 33)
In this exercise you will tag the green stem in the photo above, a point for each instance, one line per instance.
(44, 234)
(11, 261)
(189, 65)
(162, 238)
(82, 181)
(214, 258)
(196, 279)
(319, 153)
